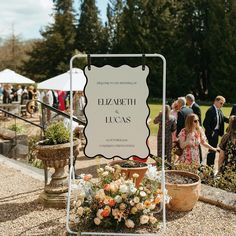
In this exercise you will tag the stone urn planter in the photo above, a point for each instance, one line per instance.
(131, 167)
(183, 188)
(57, 157)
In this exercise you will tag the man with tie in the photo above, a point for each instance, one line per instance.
(214, 126)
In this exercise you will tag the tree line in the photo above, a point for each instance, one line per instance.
(197, 37)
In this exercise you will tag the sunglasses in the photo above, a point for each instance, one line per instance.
(195, 121)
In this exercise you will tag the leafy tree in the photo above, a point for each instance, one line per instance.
(91, 35)
(52, 54)
(13, 52)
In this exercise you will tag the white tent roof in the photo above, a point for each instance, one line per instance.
(11, 77)
(62, 81)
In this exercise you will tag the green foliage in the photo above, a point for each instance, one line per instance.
(91, 35)
(17, 128)
(226, 180)
(57, 133)
(37, 163)
(32, 152)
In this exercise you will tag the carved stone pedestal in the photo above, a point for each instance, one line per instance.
(57, 157)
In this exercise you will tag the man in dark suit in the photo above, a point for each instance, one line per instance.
(214, 126)
(190, 101)
(183, 111)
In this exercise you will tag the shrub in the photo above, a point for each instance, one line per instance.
(57, 133)
(16, 128)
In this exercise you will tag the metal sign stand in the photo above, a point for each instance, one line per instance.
(72, 173)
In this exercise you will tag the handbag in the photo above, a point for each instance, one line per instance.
(177, 150)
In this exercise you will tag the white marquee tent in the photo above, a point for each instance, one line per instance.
(11, 77)
(62, 81)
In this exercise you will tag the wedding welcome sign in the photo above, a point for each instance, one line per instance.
(116, 112)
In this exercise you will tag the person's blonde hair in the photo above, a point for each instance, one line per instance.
(189, 123)
(220, 98)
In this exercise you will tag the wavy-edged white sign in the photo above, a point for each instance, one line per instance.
(116, 112)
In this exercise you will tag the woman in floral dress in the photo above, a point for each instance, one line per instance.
(190, 138)
(227, 146)
(170, 127)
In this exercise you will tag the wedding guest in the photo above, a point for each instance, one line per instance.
(79, 104)
(190, 101)
(227, 157)
(183, 112)
(233, 111)
(170, 127)
(174, 112)
(214, 126)
(190, 138)
(61, 100)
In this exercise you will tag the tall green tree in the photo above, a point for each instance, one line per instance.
(91, 37)
(202, 46)
(52, 54)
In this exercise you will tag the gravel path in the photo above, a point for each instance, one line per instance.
(21, 214)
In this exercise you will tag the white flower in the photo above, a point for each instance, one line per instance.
(139, 206)
(132, 188)
(110, 169)
(113, 187)
(80, 211)
(97, 221)
(152, 173)
(135, 175)
(144, 219)
(118, 199)
(152, 206)
(100, 170)
(123, 188)
(143, 194)
(152, 219)
(136, 199)
(129, 223)
(122, 206)
(141, 188)
(105, 173)
(99, 213)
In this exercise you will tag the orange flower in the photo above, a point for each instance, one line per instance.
(157, 200)
(147, 204)
(107, 187)
(87, 177)
(111, 202)
(105, 213)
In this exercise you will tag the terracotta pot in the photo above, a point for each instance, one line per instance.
(130, 171)
(183, 196)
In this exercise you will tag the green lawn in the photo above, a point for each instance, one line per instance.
(156, 108)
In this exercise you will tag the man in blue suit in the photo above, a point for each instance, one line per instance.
(183, 111)
(190, 100)
(214, 126)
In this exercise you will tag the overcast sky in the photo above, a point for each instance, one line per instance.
(27, 17)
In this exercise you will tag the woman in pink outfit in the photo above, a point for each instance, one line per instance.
(190, 138)
(61, 100)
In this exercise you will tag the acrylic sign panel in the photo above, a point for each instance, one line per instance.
(116, 112)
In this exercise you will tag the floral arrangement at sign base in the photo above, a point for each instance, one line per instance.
(114, 203)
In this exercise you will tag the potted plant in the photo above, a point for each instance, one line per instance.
(183, 188)
(114, 203)
(54, 151)
(131, 167)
